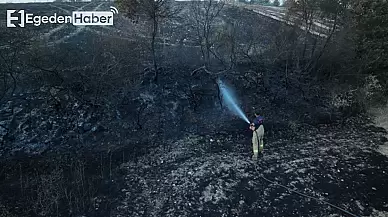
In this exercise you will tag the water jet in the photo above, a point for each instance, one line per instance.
(230, 100)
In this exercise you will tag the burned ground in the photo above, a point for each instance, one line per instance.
(85, 131)
(211, 176)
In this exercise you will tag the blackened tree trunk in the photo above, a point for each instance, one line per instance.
(153, 49)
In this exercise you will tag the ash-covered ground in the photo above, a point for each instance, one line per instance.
(213, 175)
(85, 131)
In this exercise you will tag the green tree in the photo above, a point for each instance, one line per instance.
(370, 20)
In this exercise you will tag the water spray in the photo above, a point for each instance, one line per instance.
(230, 101)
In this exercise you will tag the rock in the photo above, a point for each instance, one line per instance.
(125, 126)
(87, 127)
(35, 148)
(98, 129)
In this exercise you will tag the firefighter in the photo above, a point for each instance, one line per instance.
(257, 135)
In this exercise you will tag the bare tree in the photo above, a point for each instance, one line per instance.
(129, 7)
(205, 14)
(304, 12)
(156, 11)
(10, 59)
(225, 48)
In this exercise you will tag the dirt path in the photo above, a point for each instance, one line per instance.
(319, 28)
(56, 29)
(78, 29)
(61, 27)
